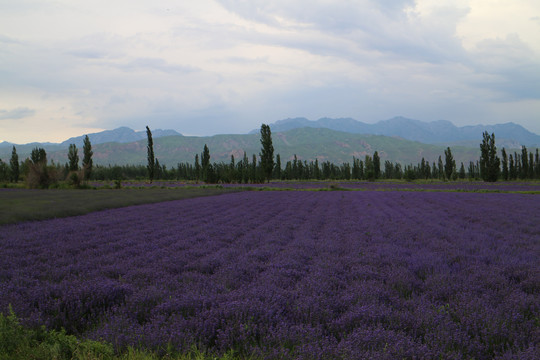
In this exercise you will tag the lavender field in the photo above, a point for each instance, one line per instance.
(291, 274)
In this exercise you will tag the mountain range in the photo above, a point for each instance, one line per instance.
(120, 135)
(309, 140)
(436, 132)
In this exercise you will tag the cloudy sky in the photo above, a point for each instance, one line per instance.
(70, 67)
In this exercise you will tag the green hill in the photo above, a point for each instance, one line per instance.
(307, 143)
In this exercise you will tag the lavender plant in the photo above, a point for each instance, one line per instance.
(304, 275)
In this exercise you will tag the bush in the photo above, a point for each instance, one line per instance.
(38, 176)
(17, 342)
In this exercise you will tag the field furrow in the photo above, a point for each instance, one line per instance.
(300, 274)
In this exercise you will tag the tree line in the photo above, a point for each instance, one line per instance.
(265, 167)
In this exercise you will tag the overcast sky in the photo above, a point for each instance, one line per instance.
(70, 67)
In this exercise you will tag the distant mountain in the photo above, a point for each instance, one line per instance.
(307, 143)
(436, 132)
(119, 135)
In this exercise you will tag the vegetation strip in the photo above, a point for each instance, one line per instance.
(23, 205)
(20, 343)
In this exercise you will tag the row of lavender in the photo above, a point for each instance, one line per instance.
(308, 275)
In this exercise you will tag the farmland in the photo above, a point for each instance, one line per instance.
(290, 274)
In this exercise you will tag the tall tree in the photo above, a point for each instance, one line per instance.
(369, 168)
(73, 157)
(462, 172)
(537, 164)
(505, 173)
(440, 168)
(376, 165)
(449, 164)
(316, 170)
(489, 161)
(87, 162)
(531, 165)
(205, 162)
(197, 168)
(267, 152)
(151, 159)
(38, 156)
(512, 173)
(254, 177)
(14, 165)
(38, 174)
(277, 168)
(4, 171)
(524, 163)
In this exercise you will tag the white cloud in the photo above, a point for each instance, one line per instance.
(16, 114)
(226, 66)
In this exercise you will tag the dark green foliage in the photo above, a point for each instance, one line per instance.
(440, 169)
(14, 166)
(505, 173)
(150, 151)
(38, 156)
(449, 165)
(267, 152)
(369, 172)
(376, 165)
(524, 173)
(38, 173)
(205, 164)
(489, 161)
(4, 171)
(537, 165)
(356, 169)
(73, 157)
(409, 174)
(512, 171)
(197, 167)
(531, 166)
(434, 171)
(19, 343)
(253, 171)
(462, 173)
(277, 168)
(87, 162)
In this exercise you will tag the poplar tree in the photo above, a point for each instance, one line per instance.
(14, 165)
(524, 163)
(87, 162)
(38, 156)
(504, 165)
(73, 157)
(531, 165)
(151, 158)
(254, 169)
(267, 152)
(197, 168)
(369, 168)
(205, 162)
(489, 161)
(376, 165)
(511, 169)
(277, 168)
(537, 164)
(462, 171)
(440, 168)
(449, 165)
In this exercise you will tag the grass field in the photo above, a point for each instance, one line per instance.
(23, 204)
